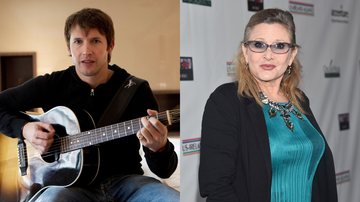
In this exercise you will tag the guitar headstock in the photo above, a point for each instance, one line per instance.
(169, 117)
(173, 116)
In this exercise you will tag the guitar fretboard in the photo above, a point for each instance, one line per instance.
(112, 132)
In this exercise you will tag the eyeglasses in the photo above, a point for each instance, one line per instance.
(260, 47)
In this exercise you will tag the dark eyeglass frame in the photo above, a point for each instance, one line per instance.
(273, 47)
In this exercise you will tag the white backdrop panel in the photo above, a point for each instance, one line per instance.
(330, 41)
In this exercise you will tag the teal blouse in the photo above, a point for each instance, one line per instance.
(294, 157)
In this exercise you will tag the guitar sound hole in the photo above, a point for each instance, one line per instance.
(53, 153)
(50, 158)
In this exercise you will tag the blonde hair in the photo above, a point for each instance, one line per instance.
(290, 82)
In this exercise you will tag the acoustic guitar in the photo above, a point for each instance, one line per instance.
(72, 159)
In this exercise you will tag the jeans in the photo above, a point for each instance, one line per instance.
(130, 188)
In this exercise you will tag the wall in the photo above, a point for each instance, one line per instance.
(146, 35)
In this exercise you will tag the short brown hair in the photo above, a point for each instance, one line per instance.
(91, 18)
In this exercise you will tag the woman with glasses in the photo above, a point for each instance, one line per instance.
(260, 140)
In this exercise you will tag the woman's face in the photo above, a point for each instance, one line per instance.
(268, 68)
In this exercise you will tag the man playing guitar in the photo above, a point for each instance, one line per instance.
(89, 86)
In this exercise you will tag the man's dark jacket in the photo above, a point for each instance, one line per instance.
(65, 88)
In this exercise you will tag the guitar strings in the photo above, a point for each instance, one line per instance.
(60, 146)
(83, 136)
(81, 140)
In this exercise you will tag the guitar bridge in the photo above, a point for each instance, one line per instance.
(22, 157)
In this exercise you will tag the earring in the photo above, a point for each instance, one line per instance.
(289, 69)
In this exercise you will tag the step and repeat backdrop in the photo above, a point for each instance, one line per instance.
(328, 32)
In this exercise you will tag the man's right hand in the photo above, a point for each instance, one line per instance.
(39, 134)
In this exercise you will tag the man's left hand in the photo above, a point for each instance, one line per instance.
(153, 134)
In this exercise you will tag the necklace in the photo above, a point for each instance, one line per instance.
(284, 110)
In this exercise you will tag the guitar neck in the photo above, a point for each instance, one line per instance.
(111, 132)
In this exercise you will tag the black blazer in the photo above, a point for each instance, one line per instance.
(235, 161)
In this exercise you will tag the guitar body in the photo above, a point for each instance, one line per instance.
(62, 169)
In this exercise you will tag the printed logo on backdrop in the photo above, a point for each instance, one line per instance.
(199, 2)
(301, 8)
(230, 68)
(343, 177)
(344, 121)
(186, 69)
(191, 146)
(255, 5)
(331, 71)
(339, 15)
